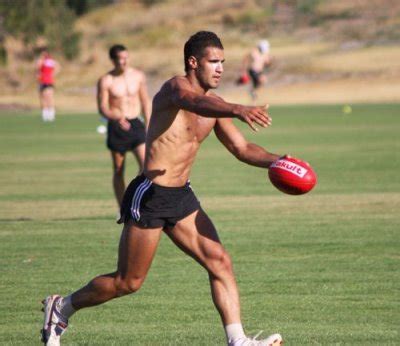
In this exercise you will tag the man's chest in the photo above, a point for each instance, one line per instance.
(122, 87)
(198, 127)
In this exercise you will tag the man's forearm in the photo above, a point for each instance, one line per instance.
(255, 155)
(216, 108)
(111, 114)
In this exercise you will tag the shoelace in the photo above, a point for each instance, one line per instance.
(257, 335)
(253, 341)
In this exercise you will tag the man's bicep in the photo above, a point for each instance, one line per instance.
(102, 94)
(229, 135)
(143, 94)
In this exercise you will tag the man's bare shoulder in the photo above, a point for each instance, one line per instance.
(165, 95)
(177, 82)
(174, 84)
(136, 73)
(255, 53)
(105, 80)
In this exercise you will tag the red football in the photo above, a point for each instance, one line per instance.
(243, 79)
(292, 176)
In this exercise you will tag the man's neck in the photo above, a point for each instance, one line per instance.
(195, 83)
(118, 71)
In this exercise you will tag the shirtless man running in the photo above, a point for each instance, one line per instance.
(185, 111)
(121, 97)
(255, 63)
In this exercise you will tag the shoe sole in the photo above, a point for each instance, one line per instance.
(48, 308)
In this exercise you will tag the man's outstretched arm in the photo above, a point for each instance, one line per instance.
(215, 107)
(250, 153)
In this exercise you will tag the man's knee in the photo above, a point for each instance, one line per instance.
(118, 164)
(128, 286)
(118, 172)
(220, 264)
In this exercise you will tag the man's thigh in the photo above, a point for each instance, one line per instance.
(47, 94)
(139, 153)
(197, 237)
(137, 248)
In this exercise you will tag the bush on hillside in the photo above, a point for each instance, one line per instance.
(149, 3)
(52, 20)
(81, 7)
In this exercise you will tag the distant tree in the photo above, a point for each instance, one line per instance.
(81, 7)
(51, 19)
(3, 51)
(149, 3)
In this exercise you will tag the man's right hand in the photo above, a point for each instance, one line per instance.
(124, 124)
(254, 115)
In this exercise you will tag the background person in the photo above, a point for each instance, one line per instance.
(47, 67)
(122, 97)
(255, 64)
(185, 111)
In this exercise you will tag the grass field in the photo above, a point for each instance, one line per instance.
(322, 269)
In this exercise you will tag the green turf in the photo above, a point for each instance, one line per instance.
(322, 269)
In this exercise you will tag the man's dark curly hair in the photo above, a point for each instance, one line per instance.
(197, 43)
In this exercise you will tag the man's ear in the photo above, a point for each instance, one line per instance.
(193, 62)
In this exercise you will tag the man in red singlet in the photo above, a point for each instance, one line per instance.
(47, 68)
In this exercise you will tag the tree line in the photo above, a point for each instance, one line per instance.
(52, 20)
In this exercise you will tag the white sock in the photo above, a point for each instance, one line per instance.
(44, 114)
(65, 307)
(234, 332)
(52, 114)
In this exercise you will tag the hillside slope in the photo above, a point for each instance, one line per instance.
(342, 51)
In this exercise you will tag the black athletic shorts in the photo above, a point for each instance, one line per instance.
(45, 86)
(255, 78)
(122, 141)
(152, 206)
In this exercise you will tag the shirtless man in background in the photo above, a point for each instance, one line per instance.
(185, 111)
(121, 98)
(255, 63)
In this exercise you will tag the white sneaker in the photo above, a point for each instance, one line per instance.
(272, 340)
(54, 323)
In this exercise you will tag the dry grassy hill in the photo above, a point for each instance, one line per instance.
(325, 52)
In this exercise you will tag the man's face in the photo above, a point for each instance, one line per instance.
(210, 67)
(122, 60)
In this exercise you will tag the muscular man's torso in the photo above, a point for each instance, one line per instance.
(173, 139)
(124, 92)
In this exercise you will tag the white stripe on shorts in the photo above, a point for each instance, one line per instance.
(137, 197)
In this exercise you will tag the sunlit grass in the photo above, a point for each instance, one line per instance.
(320, 269)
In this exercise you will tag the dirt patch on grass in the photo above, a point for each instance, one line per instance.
(15, 107)
(56, 210)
